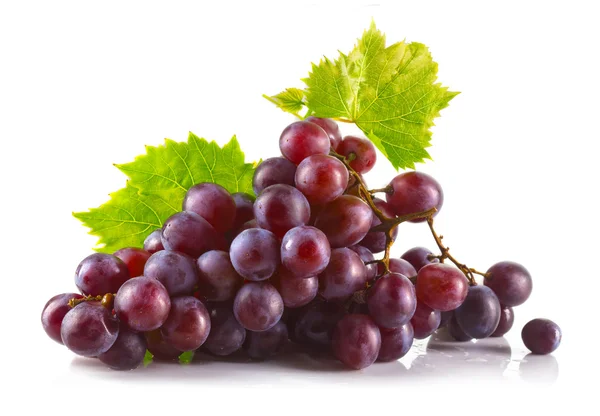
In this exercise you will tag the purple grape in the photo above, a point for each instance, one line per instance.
(188, 324)
(330, 127)
(395, 343)
(418, 257)
(366, 256)
(441, 286)
(255, 254)
(258, 306)
(189, 233)
(541, 336)
(375, 241)
(345, 274)
(279, 208)
(305, 251)
(266, 344)
(507, 319)
(159, 348)
(273, 171)
(153, 242)
(54, 312)
(89, 329)
(445, 316)
(218, 279)
(345, 221)
(414, 192)
(302, 139)
(99, 274)
(392, 301)
(244, 209)
(295, 292)
(226, 334)
(363, 151)
(356, 341)
(479, 314)
(134, 258)
(127, 352)
(321, 178)
(142, 304)
(213, 203)
(510, 281)
(176, 271)
(315, 323)
(401, 266)
(456, 331)
(425, 321)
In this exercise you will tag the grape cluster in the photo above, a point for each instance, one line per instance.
(296, 264)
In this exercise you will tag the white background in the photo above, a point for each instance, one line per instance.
(87, 84)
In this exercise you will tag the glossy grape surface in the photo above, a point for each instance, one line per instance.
(244, 209)
(295, 292)
(218, 280)
(176, 271)
(392, 301)
(331, 128)
(89, 329)
(425, 321)
(541, 336)
(302, 139)
(189, 233)
(134, 258)
(401, 266)
(266, 344)
(418, 257)
(510, 281)
(395, 343)
(366, 256)
(213, 203)
(142, 304)
(187, 325)
(100, 273)
(414, 192)
(363, 150)
(258, 306)
(321, 178)
(345, 221)
(153, 242)
(356, 341)
(54, 312)
(273, 171)
(226, 334)
(507, 319)
(441, 286)
(254, 254)
(345, 274)
(127, 353)
(456, 331)
(479, 314)
(305, 251)
(279, 208)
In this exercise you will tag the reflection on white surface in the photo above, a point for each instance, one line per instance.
(434, 360)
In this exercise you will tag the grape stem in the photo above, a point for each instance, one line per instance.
(106, 300)
(467, 271)
(386, 190)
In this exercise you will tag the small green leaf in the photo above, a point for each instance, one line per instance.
(158, 182)
(291, 100)
(148, 358)
(186, 357)
(126, 219)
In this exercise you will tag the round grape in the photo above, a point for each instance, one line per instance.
(363, 151)
(425, 321)
(541, 336)
(273, 171)
(302, 139)
(479, 314)
(366, 256)
(345, 274)
(510, 281)
(295, 292)
(356, 341)
(413, 192)
(401, 266)
(226, 334)
(321, 178)
(127, 352)
(218, 280)
(189, 233)
(507, 319)
(395, 343)
(159, 348)
(419, 257)
(330, 127)
(54, 312)
(345, 221)
(99, 274)
(142, 304)
(266, 344)
(280, 208)
(255, 254)
(134, 259)
(258, 306)
(89, 329)
(441, 286)
(176, 271)
(315, 323)
(213, 203)
(305, 251)
(188, 324)
(392, 301)
(244, 209)
(153, 242)
(456, 331)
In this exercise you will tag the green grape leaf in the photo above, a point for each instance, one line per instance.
(186, 357)
(158, 182)
(291, 100)
(390, 93)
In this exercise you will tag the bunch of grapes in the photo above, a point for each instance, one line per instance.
(296, 264)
